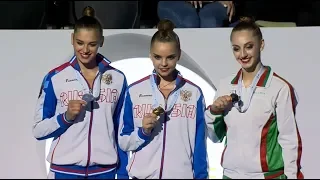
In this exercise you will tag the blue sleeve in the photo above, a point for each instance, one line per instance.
(48, 124)
(200, 163)
(127, 116)
(123, 156)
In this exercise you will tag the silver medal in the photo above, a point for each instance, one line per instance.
(88, 98)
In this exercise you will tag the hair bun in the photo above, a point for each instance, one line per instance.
(165, 25)
(247, 19)
(88, 11)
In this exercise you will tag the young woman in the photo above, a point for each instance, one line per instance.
(171, 144)
(79, 106)
(263, 140)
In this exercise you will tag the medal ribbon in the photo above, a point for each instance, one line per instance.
(156, 92)
(252, 88)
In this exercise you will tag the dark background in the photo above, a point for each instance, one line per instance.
(143, 13)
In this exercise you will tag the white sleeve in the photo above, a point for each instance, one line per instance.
(47, 123)
(289, 137)
(216, 127)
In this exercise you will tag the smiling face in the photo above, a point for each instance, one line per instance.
(247, 48)
(164, 56)
(86, 43)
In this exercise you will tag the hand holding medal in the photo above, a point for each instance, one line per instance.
(222, 102)
(74, 108)
(149, 121)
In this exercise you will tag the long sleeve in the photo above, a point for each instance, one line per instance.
(216, 126)
(131, 137)
(200, 161)
(123, 156)
(289, 137)
(47, 124)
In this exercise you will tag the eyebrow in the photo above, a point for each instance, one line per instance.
(89, 42)
(250, 42)
(160, 56)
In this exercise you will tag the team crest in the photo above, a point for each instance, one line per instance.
(107, 78)
(185, 95)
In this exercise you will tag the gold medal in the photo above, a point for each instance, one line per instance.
(158, 111)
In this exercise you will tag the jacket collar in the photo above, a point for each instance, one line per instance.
(178, 77)
(264, 80)
(102, 62)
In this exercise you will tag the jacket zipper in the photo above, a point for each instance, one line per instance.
(90, 125)
(164, 138)
(164, 131)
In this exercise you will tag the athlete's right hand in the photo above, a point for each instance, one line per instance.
(221, 103)
(149, 122)
(74, 108)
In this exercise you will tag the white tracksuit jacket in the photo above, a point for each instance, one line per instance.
(88, 145)
(263, 142)
(176, 147)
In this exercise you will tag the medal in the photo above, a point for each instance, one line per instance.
(88, 98)
(234, 97)
(158, 111)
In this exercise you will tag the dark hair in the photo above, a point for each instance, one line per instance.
(247, 23)
(88, 21)
(165, 33)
